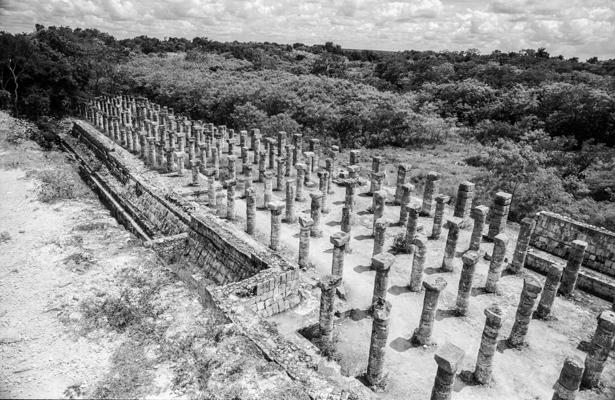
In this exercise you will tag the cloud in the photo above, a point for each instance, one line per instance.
(570, 27)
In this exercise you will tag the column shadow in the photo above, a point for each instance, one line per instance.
(363, 237)
(362, 268)
(443, 314)
(397, 290)
(401, 344)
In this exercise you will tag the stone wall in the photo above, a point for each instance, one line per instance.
(554, 233)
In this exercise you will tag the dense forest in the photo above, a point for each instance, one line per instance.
(544, 125)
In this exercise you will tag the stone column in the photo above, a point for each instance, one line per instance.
(231, 167)
(349, 201)
(315, 206)
(380, 198)
(432, 186)
(290, 202)
(497, 262)
(376, 163)
(412, 225)
(281, 142)
(250, 210)
(339, 241)
(381, 263)
(465, 194)
(438, 217)
(451, 243)
(196, 178)
(307, 179)
(329, 164)
(406, 193)
(298, 150)
(211, 190)
(271, 147)
(267, 188)
(262, 165)
(300, 177)
(276, 208)
(448, 357)
(531, 289)
(376, 181)
(289, 159)
(354, 157)
(249, 179)
(381, 312)
(499, 214)
(280, 175)
(220, 203)
(422, 334)
(601, 344)
(402, 178)
(569, 380)
(380, 227)
(549, 290)
(571, 272)
(230, 199)
(327, 286)
(469, 258)
(257, 151)
(323, 180)
(488, 344)
(305, 226)
(216, 164)
(479, 215)
(418, 263)
(526, 228)
(345, 224)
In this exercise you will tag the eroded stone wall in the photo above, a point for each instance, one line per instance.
(554, 234)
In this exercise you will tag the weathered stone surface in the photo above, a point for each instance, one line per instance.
(432, 186)
(469, 258)
(598, 353)
(465, 194)
(569, 380)
(380, 333)
(529, 294)
(499, 214)
(526, 228)
(479, 215)
(551, 285)
(380, 228)
(488, 344)
(305, 224)
(418, 263)
(448, 357)
(433, 287)
(438, 218)
(450, 249)
(496, 265)
(339, 241)
(327, 286)
(382, 264)
(571, 272)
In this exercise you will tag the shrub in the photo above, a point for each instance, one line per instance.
(57, 184)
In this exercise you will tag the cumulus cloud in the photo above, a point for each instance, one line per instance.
(581, 28)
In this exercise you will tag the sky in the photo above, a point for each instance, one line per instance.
(572, 28)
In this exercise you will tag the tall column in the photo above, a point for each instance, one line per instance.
(499, 214)
(406, 194)
(432, 186)
(451, 244)
(531, 289)
(323, 181)
(196, 179)
(526, 228)
(497, 262)
(315, 213)
(231, 166)
(339, 241)
(377, 163)
(262, 165)
(298, 150)
(465, 194)
(345, 224)
(448, 357)
(327, 287)
(290, 162)
(280, 175)
(250, 210)
(329, 165)
(299, 196)
(549, 290)
(376, 181)
(381, 312)
(230, 199)
(271, 147)
(418, 263)
(249, 179)
(256, 160)
(216, 164)
(573, 265)
(276, 208)
(598, 353)
(569, 380)
(488, 344)
(305, 226)
(309, 156)
(354, 157)
(469, 258)
(380, 227)
(267, 188)
(402, 178)
(380, 198)
(422, 334)
(211, 190)
(290, 202)
(220, 203)
(412, 225)
(438, 217)
(479, 215)
(381, 263)
(349, 200)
